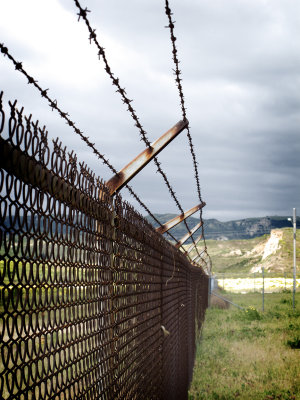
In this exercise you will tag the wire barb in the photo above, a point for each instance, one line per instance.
(82, 13)
(127, 101)
(53, 105)
(178, 81)
(115, 81)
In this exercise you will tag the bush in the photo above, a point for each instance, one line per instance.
(288, 301)
(286, 291)
(251, 314)
(294, 343)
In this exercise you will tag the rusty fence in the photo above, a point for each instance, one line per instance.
(122, 177)
(95, 304)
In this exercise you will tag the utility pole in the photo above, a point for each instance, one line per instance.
(294, 253)
(294, 235)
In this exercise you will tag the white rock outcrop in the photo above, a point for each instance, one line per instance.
(272, 244)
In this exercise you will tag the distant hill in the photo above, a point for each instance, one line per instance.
(273, 252)
(247, 228)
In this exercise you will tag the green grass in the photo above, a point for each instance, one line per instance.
(250, 354)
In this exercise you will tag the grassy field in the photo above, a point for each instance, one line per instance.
(249, 354)
(235, 255)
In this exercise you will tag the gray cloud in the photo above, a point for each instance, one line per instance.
(240, 62)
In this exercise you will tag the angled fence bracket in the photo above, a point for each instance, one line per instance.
(188, 235)
(197, 256)
(175, 221)
(194, 244)
(130, 170)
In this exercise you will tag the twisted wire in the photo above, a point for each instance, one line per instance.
(115, 82)
(53, 104)
(178, 81)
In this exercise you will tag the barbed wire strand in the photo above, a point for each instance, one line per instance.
(116, 82)
(178, 81)
(53, 104)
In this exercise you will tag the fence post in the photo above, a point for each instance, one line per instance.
(209, 289)
(253, 282)
(263, 289)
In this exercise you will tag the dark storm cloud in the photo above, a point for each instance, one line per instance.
(240, 62)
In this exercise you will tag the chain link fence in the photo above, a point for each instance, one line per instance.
(94, 303)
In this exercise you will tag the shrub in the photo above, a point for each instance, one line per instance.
(289, 302)
(286, 291)
(294, 343)
(251, 314)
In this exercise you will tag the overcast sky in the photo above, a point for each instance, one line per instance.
(241, 79)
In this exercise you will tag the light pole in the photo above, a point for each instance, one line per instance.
(294, 240)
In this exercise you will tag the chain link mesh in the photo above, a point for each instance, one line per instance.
(94, 303)
(53, 104)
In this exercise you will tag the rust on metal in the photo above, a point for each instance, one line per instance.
(188, 235)
(197, 256)
(175, 221)
(131, 169)
(86, 284)
(13, 160)
(194, 244)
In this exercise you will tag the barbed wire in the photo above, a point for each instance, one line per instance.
(178, 81)
(115, 82)
(129, 188)
(53, 104)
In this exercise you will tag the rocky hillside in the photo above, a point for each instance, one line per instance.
(274, 252)
(240, 229)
